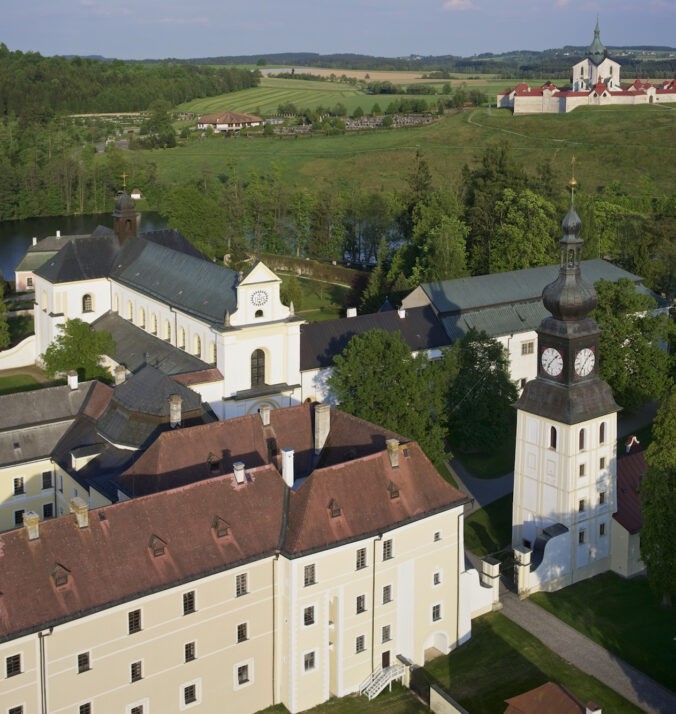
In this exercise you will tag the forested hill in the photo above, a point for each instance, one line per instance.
(34, 87)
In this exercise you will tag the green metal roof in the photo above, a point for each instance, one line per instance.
(32, 261)
(494, 321)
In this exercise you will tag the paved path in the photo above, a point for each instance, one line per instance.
(589, 657)
(482, 490)
(29, 369)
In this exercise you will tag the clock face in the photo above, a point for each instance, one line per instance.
(584, 362)
(259, 298)
(552, 362)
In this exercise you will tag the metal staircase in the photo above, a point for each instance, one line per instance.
(376, 682)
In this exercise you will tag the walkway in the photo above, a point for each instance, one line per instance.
(482, 490)
(589, 657)
(31, 370)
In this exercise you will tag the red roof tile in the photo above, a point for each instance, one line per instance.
(550, 698)
(200, 377)
(630, 470)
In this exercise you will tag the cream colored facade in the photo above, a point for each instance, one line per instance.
(303, 637)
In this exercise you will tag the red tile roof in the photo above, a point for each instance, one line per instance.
(200, 377)
(228, 118)
(630, 470)
(550, 698)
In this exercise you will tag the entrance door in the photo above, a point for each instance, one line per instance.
(386, 659)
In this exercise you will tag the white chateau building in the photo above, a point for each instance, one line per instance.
(595, 80)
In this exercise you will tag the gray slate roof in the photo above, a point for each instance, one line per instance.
(321, 341)
(494, 321)
(135, 347)
(484, 291)
(83, 259)
(35, 442)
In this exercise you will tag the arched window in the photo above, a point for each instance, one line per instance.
(181, 338)
(116, 303)
(259, 313)
(581, 439)
(257, 368)
(87, 303)
(197, 346)
(212, 353)
(552, 437)
(167, 330)
(602, 433)
(142, 318)
(130, 311)
(153, 323)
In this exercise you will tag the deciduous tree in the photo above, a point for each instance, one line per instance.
(78, 347)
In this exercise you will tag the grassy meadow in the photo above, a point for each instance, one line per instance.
(610, 143)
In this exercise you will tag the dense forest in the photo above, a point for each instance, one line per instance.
(35, 88)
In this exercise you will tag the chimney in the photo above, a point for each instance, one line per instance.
(402, 312)
(238, 466)
(120, 374)
(393, 452)
(322, 426)
(72, 379)
(351, 312)
(31, 522)
(81, 511)
(175, 403)
(287, 467)
(35, 240)
(592, 708)
(264, 411)
(58, 234)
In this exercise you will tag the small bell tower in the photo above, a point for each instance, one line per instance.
(125, 217)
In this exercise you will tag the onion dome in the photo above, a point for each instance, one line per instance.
(124, 203)
(570, 296)
(597, 51)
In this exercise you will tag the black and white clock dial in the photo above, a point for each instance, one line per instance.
(259, 298)
(552, 361)
(584, 362)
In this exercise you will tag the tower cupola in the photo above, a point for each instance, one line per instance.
(597, 51)
(125, 217)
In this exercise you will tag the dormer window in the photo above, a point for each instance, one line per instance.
(60, 575)
(213, 463)
(156, 545)
(220, 527)
(334, 508)
(393, 490)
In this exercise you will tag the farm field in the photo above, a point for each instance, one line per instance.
(610, 143)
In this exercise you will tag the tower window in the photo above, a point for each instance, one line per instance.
(581, 469)
(581, 439)
(580, 506)
(257, 368)
(602, 498)
(602, 433)
(259, 313)
(580, 538)
(552, 438)
(602, 462)
(602, 529)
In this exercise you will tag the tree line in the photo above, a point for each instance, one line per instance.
(35, 88)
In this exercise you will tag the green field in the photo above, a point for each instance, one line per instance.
(610, 143)
(623, 616)
(502, 660)
(18, 383)
(489, 529)
(321, 300)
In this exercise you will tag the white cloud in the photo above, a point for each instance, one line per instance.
(459, 5)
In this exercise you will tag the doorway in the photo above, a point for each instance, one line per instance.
(385, 659)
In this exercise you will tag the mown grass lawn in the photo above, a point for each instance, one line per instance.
(625, 617)
(399, 701)
(489, 529)
(18, 383)
(321, 300)
(491, 464)
(502, 660)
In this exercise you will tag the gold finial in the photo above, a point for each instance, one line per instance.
(572, 183)
(124, 180)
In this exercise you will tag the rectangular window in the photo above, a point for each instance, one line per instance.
(581, 469)
(387, 549)
(82, 662)
(309, 615)
(189, 602)
(386, 634)
(437, 536)
(602, 498)
(190, 694)
(602, 462)
(18, 517)
(361, 558)
(527, 347)
(189, 651)
(47, 481)
(243, 674)
(361, 603)
(86, 708)
(602, 529)
(436, 579)
(47, 511)
(436, 613)
(16, 710)
(580, 538)
(241, 585)
(387, 594)
(359, 644)
(242, 632)
(309, 661)
(137, 710)
(134, 618)
(136, 671)
(19, 486)
(309, 575)
(29, 282)
(13, 665)
(580, 506)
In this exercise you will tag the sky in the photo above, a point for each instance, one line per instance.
(139, 29)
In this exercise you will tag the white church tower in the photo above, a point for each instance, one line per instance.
(596, 68)
(565, 459)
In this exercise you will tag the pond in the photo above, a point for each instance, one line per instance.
(16, 236)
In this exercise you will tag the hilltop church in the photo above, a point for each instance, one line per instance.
(595, 81)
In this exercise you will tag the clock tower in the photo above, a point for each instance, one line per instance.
(564, 464)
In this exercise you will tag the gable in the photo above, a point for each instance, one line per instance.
(260, 273)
